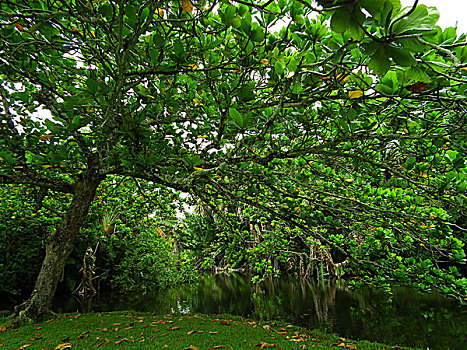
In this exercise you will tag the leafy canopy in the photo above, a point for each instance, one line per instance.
(344, 120)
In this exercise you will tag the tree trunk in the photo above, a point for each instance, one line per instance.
(58, 248)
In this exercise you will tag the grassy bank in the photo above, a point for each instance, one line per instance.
(126, 330)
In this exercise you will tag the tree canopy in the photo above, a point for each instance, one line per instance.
(344, 121)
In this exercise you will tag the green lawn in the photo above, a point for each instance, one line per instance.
(126, 330)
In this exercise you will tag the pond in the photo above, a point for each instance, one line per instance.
(407, 318)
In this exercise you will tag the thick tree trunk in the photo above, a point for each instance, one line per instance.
(59, 247)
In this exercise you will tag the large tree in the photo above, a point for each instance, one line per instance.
(348, 114)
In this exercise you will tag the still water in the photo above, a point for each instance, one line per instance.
(407, 318)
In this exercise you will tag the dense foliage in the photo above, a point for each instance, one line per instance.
(119, 245)
(343, 124)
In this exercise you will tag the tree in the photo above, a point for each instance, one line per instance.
(351, 116)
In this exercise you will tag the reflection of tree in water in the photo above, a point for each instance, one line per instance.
(411, 319)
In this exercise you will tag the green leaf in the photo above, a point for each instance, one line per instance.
(422, 19)
(341, 20)
(279, 67)
(257, 35)
(53, 127)
(402, 57)
(296, 87)
(379, 62)
(131, 15)
(237, 117)
(381, 10)
(92, 86)
(179, 49)
(451, 155)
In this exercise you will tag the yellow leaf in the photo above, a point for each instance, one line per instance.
(355, 94)
(24, 346)
(63, 346)
(193, 66)
(169, 81)
(47, 166)
(342, 78)
(187, 6)
(45, 137)
(2, 328)
(1, 158)
(159, 11)
(197, 102)
(422, 174)
(264, 61)
(197, 168)
(202, 136)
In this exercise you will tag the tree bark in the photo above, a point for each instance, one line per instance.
(58, 248)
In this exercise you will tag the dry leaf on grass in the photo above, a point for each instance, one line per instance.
(63, 346)
(263, 345)
(191, 347)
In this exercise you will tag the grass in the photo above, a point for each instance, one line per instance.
(127, 330)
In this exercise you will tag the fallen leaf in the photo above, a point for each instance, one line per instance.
(190, 332)
(263, 345)
(123, 340)
(63, 346)
(187, 6)
(173, 328)
(82, 334)
(2, 328)
(351, 346)
(267, 327)
(218, 346)
(191, 347)
(35, 338)
(212, 333)
(224, 323)
(24, 346)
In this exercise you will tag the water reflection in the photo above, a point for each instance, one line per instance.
(408, 318)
